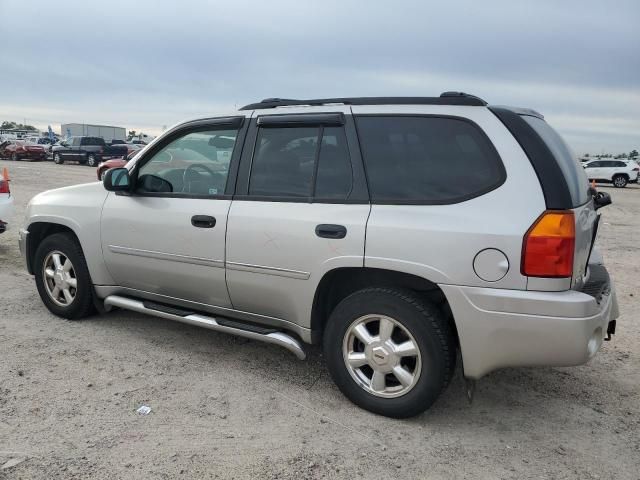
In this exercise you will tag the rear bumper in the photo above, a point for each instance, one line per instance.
(513, 328)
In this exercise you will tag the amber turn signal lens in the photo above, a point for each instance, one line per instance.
(548, 246)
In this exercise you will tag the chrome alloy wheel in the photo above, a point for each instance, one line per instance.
(59, 278)
(381, 356)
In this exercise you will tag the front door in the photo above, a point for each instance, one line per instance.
(300, 210)
(168, 236)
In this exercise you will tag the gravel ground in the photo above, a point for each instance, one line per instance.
(223, 407)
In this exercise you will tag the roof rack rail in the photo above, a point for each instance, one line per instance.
(446, 98)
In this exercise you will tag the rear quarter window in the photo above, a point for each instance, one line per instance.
(427, 160)
(573, 173)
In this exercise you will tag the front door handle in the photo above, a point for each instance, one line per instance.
(327, 230)
(203, 221)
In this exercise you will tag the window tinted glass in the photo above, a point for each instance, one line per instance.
(334, 177)
(427, 159)
(594, 164)
(621, 164)
(283, 162)
(194, 164)
(574, 175)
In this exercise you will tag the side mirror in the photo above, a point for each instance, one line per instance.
(601, 199)
(117, 180)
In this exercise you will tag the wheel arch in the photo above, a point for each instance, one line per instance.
(40, 230)
(341, 282)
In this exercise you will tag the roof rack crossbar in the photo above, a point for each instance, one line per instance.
(446, 98)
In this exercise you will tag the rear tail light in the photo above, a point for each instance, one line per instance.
(548, 246)
(636, 169)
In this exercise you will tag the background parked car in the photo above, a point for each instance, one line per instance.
(20, 150)
(113, 163)
(86, 150)
(6, 202)
(618, 172)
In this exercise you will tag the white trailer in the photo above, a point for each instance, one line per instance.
(107, 132)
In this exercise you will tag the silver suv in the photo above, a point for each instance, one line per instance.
(396, 232)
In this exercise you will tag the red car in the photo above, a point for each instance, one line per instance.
(118, 162)
(113, 163)
(19, 150)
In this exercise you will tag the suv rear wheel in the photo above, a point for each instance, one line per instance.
(58, 159)
(62, 277)
(91, 160)
(389, 351)
(620, 181)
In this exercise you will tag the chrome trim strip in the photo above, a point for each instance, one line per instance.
(277, 338)
(172, 257)
(281, 272)
(103, 291)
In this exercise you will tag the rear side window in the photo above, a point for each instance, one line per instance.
(293, 162)
(427, 160)
(573, 173)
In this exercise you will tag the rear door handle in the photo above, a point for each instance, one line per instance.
(203, 221)
(327, 230)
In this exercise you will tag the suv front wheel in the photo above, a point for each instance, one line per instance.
(62, 277)
(389, 351)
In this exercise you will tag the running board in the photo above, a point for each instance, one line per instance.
(233, 327)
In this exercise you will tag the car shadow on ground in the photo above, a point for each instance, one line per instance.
(515, 392)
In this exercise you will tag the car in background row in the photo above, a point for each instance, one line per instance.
(86, 150)
(113, 163)
(618, 172)
(6, 201)
(20, 150)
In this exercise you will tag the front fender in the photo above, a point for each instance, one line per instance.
(79, 209)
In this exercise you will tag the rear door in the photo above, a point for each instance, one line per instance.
(300, 210)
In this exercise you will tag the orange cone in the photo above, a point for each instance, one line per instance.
(5, 174)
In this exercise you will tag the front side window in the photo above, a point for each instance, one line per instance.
(429, 160)
(294, 162)
(196, 163)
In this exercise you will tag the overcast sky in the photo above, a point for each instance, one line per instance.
(142, 65)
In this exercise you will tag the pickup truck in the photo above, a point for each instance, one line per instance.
(86, 150)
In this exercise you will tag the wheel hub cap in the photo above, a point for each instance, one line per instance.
(382, 356)
(59, 278)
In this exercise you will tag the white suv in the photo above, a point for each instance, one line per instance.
(396, 232)
(618, 172)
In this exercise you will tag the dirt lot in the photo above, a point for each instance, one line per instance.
(229, 408)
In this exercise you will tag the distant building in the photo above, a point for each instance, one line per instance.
(82, 129)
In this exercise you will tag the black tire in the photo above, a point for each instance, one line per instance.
(57, 159)
(82, 305)
(14, 157)
(91, 161)
(432, 334)
(620, 181)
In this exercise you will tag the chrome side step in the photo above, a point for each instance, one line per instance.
(278, 338)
